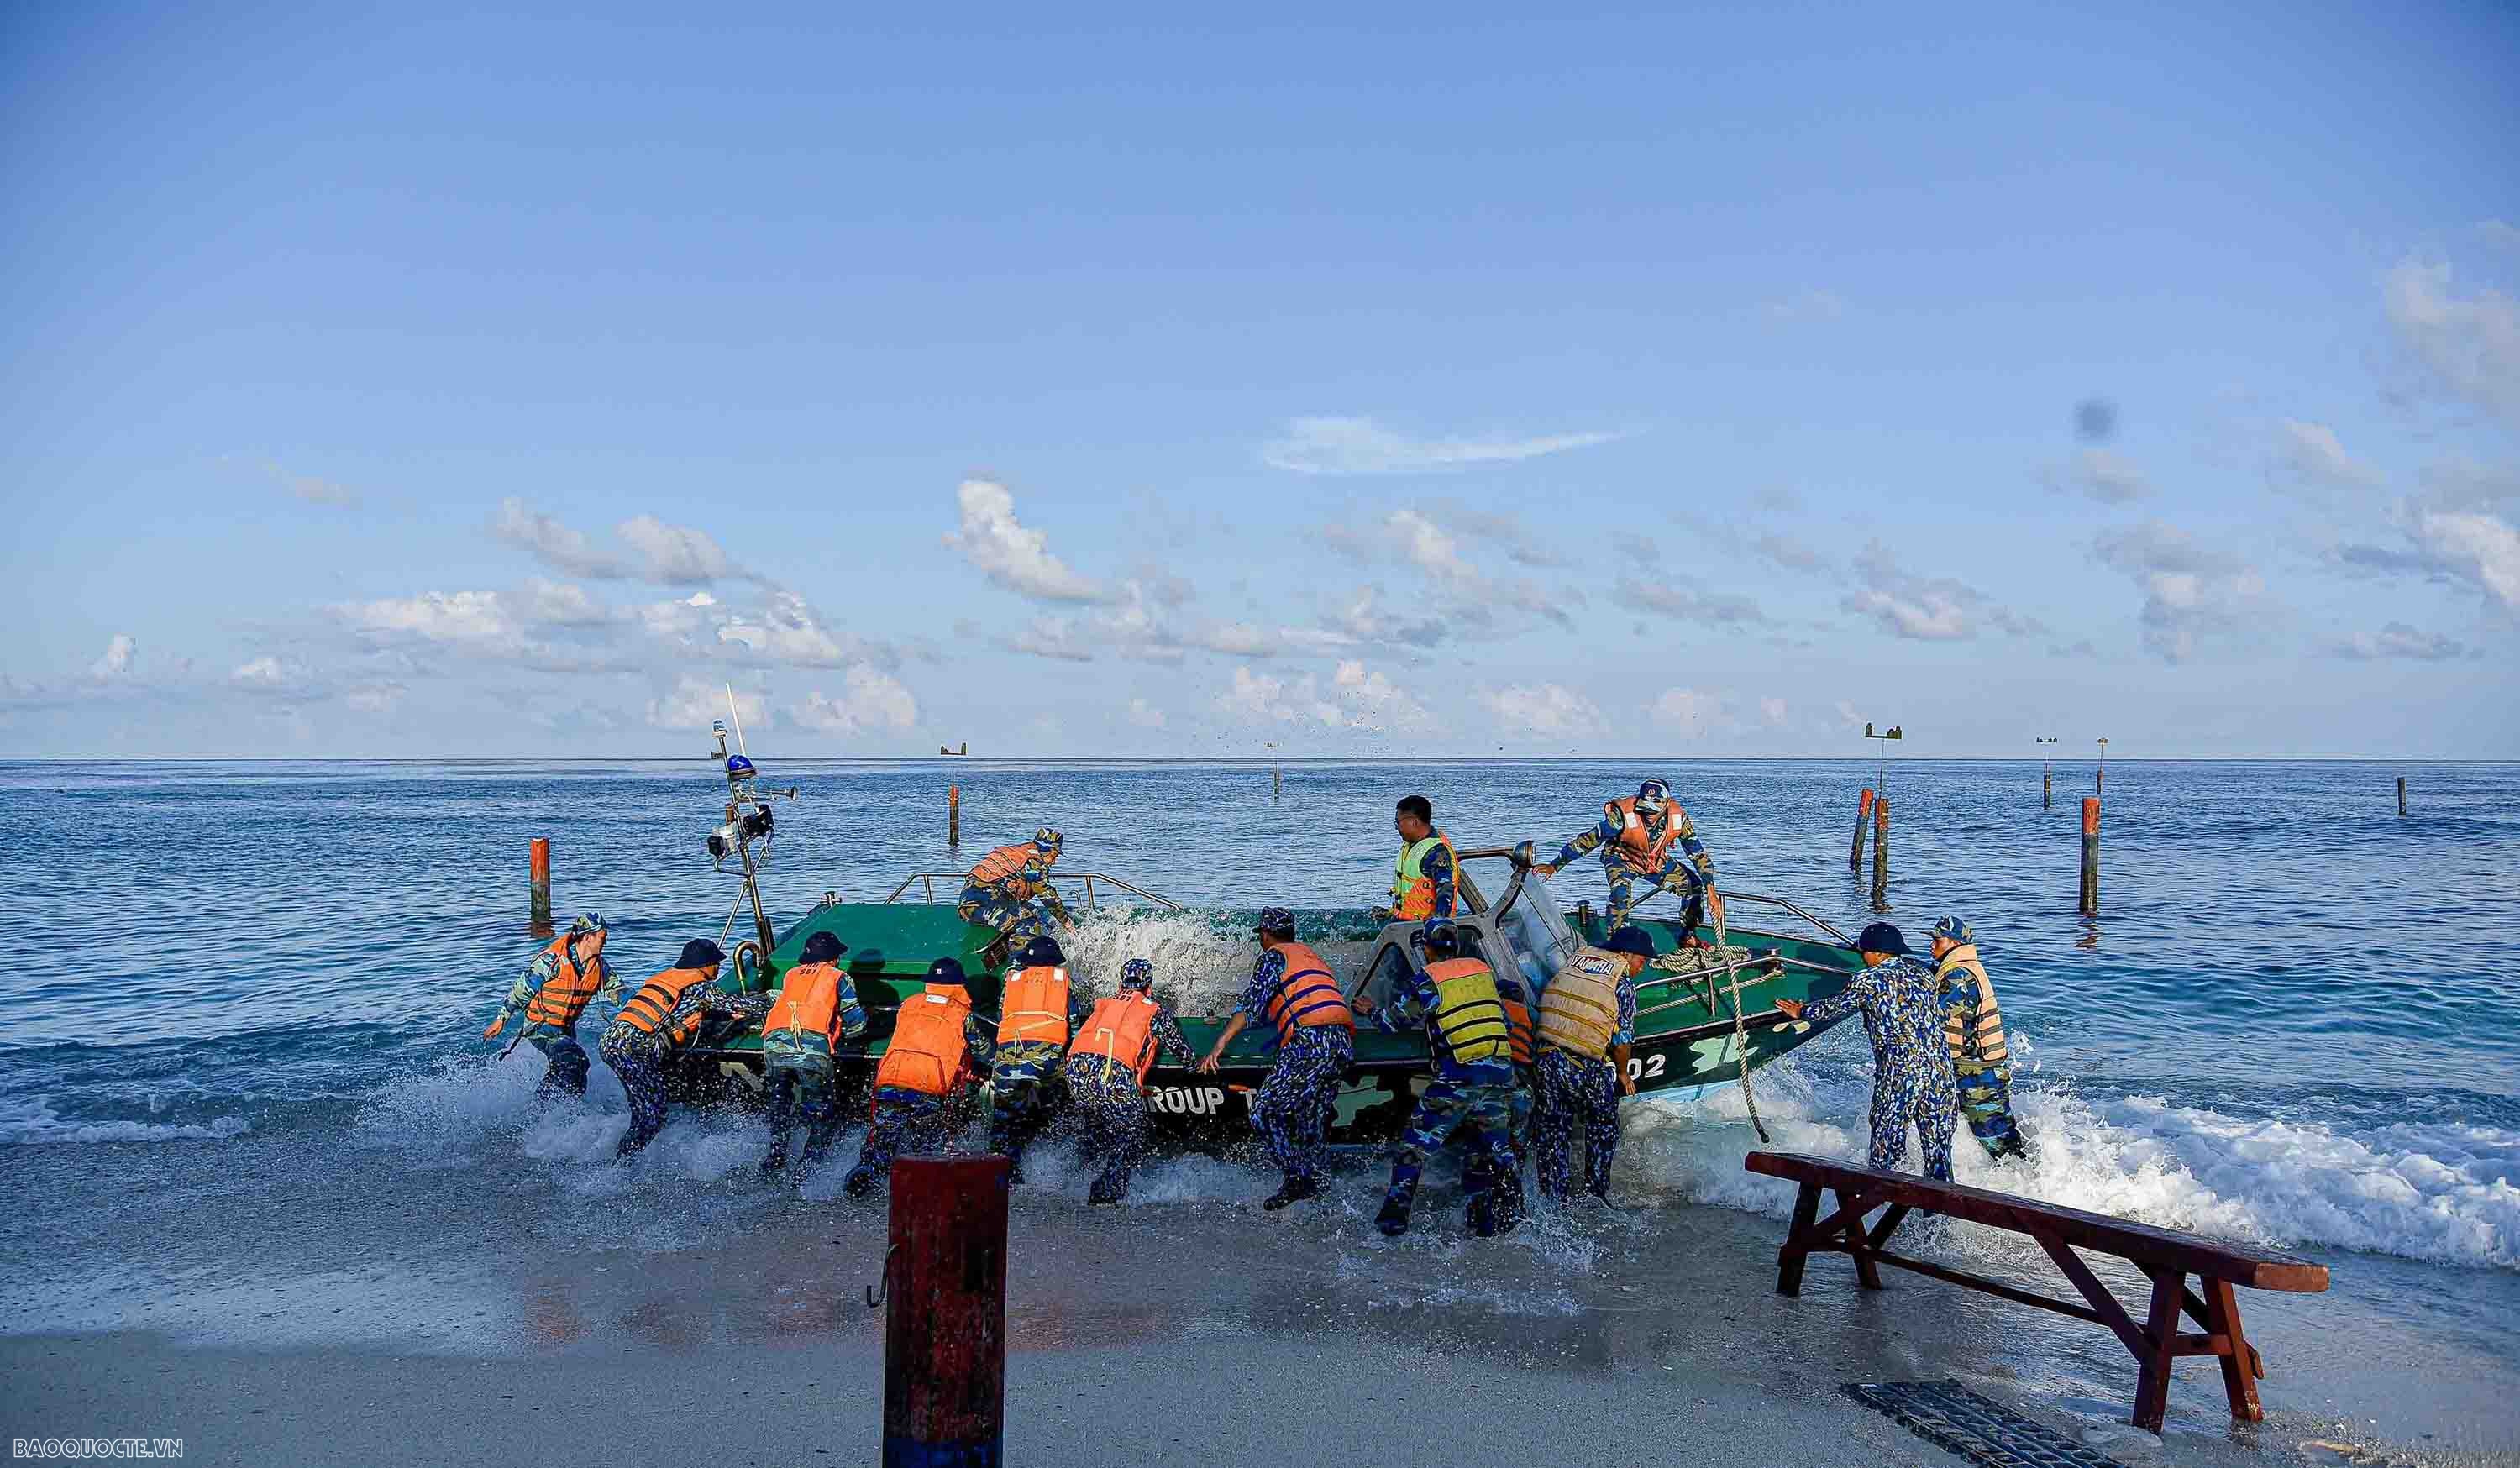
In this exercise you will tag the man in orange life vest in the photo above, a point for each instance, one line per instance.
(660, 1021)
(565, 978)
(1293, 988)
(1105, 1075)
(1037, 1011)
(1422, 884)
(1010, 889)
(1643, 840)
(817, 1009)
(935, 1047)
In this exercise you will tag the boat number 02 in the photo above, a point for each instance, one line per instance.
(1186, 1100)
(1647, 1068)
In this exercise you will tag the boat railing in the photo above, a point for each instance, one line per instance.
(927, 881)
(1514, 854)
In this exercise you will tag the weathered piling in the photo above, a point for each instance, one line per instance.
(953, 815)
(2402, 795)
(2091, 896)
(1863, 813)
(1584, 914)
(1278, 783)
(1881, 855)
(945, 1313)
(2047, 788)
(538, 864)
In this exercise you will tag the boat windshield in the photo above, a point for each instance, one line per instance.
(1535, 924)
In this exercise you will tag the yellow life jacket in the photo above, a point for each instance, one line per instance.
(1578, 1010)
(1412, 892)
(1032, 1009)
(1469, 1016)
(1959, 970)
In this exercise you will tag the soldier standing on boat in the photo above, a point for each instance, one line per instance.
(1470, 1047)
(936, 1047)
(1422, 879)
(1010, 889)
(1973, 1028)
(1912, 1064)
(1587, 1022)
(564, 979)
(1036, 1008)
(1293, 988)
(657, 1023)
(817, 1009)
(1643, 840)
(1105, 1075)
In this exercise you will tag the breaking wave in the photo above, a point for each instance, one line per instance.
(33, 1121)
(1202, 959)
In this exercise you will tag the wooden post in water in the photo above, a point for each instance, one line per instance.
(953, 815)
(945, 1313)
(2047, 788)
(538, 863)
(2090, 897)
(1881, 855)
(1862, 813)
(2402, 795)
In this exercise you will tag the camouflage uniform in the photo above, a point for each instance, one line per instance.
(640, 1058)
(1112, 1107)
(1292, 1111)
(798, 1074)
(1021, 906)
(1024, 1090)
(1475, 1095)
(1631, 885)
(913, 1120)
(1984, 1085)
(1911, 1065)
(567, 1065)
(1580, 1091)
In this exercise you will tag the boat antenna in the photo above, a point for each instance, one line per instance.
(738, 721)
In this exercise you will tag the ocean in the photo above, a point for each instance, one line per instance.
(243, 1003)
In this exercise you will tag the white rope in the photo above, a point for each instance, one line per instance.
(1740, 1030)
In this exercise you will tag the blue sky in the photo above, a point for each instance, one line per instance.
(473, 384)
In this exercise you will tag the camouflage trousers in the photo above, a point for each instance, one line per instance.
(799, 1090)
(640, 1061)
(1292, 1111)
(1629, 888)
(1577, 1095)
(1484, 1109)
(1930, 1103)
(905, 1121)
(568, 1066)
(1112, 1119)
(1986, 1103)
(1018, 918)
(1024, 1092)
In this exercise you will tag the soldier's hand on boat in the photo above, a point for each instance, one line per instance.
(1715, 907)
(496, 1026)
(1207, 1065)
(1547, 868)
(1791, 1008)
(1627, 1082)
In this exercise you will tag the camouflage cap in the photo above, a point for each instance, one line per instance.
(587, 922)
(1276, 921)
(1956, 930)
(1047, 838)
(1137, 973)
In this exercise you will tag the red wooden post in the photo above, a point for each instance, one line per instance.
(945, 1316)
(1862, 813)
(953, 815)
(539, 864)
(1881, 855)
(2090, 897)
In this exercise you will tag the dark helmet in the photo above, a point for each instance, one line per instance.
(1041, 953)
(700, 953)
(1276, 922)
(946, 971)
(824, 948)
(1441, 938)
(1881, 937)
(1136, 975)
(1652, 796)
(1630, 938)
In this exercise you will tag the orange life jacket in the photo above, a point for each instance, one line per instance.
(808, 998)
(1032, 1009)
(565, 995)
(1122, 1029)
(1007, 862)
(1640, 851)
(1307, 995)
(927, 1051)
(650, 1011)
(1517, 1020)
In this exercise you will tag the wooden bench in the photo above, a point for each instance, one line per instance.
(2167, 1258)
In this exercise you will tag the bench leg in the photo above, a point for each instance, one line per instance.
(1798, 1241)
(1859, 1242)
(2161, 1343)
(2240, 1367)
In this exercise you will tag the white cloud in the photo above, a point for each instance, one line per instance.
(271, 675)
(1375, 702)
(2471, 344)
(694, 702)
(1926, 608)
(2397, 640)
(2500, 232)
(871, 699)
(1052, 637)
(2308, 457)
(676, 555)
(1711, 608)
(381, 697)
(116, 661)
(1363, 446)
(2100, 474)
(1786, 551)
(2476, 547)
(1692, 713)
(2190, 592)
(787, 630)
(1806, 305)
(1355, 698)
(479, 619)
(1773, 713)
(552, 543)
(561, 604)
(1008, 554)
(312, 490)
(1543, 709)
(1144, 715)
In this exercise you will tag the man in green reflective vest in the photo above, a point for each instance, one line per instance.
(1422, 882)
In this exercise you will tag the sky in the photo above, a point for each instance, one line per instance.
(423, 382)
